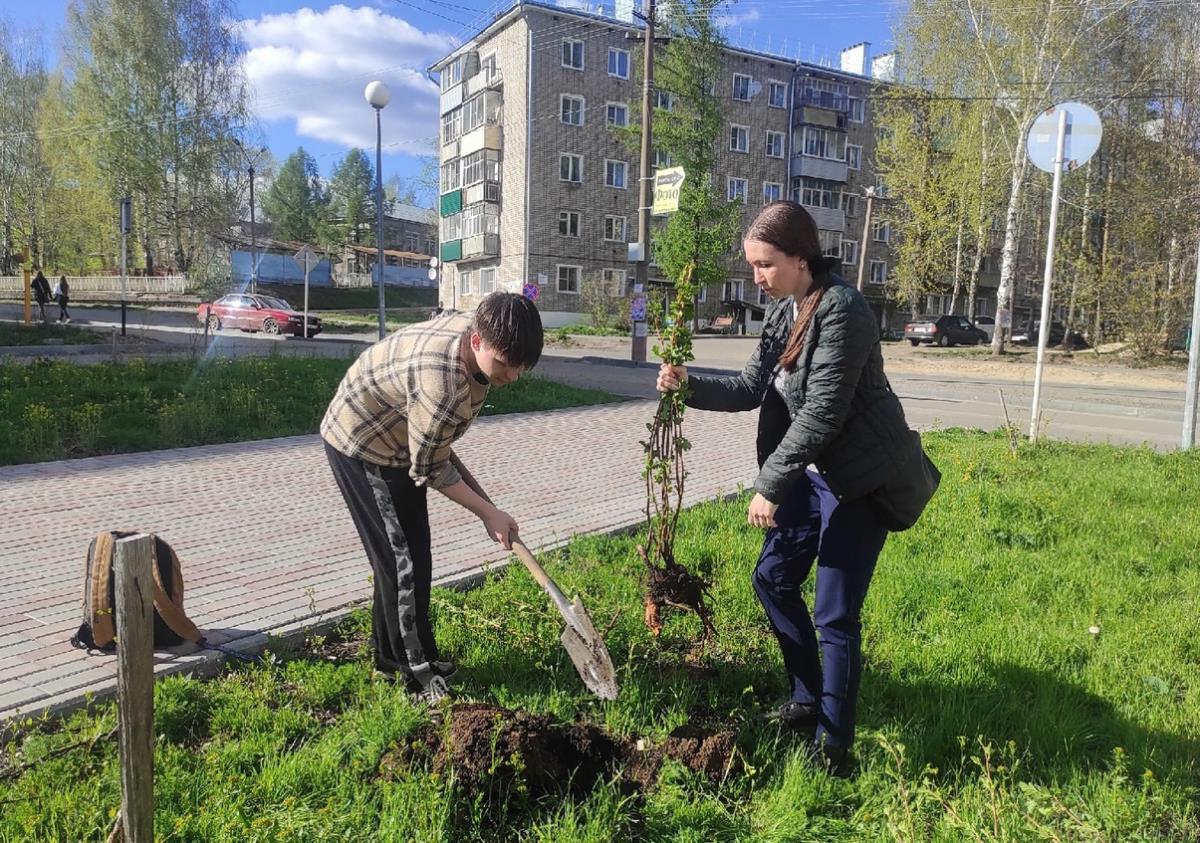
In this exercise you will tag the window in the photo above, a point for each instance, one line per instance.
(570, 168)
(481, 165)
(731, 290)
(777, 94)
(774, 144)
(487, 66)
(572, 54)
(451, 228)
(772, 192)
(568, 223)
(614, 281)
(825, 94)
(854, 157)
(451, 126)
(572, 110)
(661, 159)
(430, 245)
(450, 176)
(484, 108)
(702, 294)
(849, 252)
(614, 229)
(568, 279)
(878, 272)
(412, 241)
(831, 243)
(857, 110)
(739, 138)
(850, 204)
(664, 100)
(452, 73)
(480, 219)
(737, 190)
(487, 280)
(618, 63)
(818, 193)
(822, 143)
(741, 86)
(881, 232)
(618, 114)
(464, 283)
(763, 297)
(614, 173)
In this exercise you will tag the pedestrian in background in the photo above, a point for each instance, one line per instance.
(41, 293)
(62, 295)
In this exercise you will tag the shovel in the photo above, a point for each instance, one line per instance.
(583, 644)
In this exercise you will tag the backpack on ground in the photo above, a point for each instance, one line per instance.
(98, 630)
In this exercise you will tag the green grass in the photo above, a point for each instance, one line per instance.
(988, 711)
(14, 334)
(52, 410)
(340, 298)
(342, 321)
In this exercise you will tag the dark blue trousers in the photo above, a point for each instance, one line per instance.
(844, 539)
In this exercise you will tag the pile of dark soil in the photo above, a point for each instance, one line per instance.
(496, 750)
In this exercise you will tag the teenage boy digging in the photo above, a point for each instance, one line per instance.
(388, 434)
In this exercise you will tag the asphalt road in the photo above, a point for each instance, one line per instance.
(1077, 412)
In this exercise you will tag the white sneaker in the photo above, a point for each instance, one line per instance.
(435, 692)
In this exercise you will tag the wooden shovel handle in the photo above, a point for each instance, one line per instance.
(543, 579)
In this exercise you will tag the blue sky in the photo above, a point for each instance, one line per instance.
(308, 62)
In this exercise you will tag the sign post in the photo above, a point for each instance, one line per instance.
(307, 259)
(1064, 136)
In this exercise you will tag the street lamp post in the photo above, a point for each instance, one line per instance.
(253, 224)
(379, 96)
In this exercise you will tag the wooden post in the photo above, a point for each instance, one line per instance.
(135, 684)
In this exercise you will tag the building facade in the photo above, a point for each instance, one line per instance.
(538, 188)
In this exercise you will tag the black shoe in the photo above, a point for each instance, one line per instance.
(795, 715)
(835, 760)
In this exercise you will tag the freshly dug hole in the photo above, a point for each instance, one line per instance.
(498, 750)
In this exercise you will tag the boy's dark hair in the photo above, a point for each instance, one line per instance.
(510, 323)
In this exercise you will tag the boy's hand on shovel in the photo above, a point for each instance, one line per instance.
(501, 527)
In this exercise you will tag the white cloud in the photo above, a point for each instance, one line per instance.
(310, 68)
(749, 16)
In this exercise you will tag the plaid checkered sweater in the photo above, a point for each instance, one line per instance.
(407, 399)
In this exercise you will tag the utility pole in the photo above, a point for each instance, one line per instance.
(646, 179)
(253, 238)
(862, 253)
(1193, 374)
(126, 227)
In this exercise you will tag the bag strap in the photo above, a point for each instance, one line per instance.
(170, 606)
(99, 609)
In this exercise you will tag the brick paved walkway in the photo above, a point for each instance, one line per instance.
(267, 545)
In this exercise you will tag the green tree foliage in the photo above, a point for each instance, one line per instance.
(296, 202)
(162, 85)
(352, 199)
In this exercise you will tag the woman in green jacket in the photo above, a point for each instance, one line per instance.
(830, 432)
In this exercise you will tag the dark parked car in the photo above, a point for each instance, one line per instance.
(1028, 335)
(944, 331)
(256, 313)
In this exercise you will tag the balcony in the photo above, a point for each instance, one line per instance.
(824, 99)
(819, 168)
(480, 246)
(810, 116)
(481, 82)
(827, 219)
(488, 191)
(452, 250)
(487, 136)
(451, 203)
(451, 99)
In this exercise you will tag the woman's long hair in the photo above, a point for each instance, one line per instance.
(791, 230)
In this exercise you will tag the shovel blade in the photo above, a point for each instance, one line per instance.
(587, 651)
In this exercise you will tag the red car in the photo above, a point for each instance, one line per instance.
(256, 313)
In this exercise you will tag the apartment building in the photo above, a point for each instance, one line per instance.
(538, 188)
